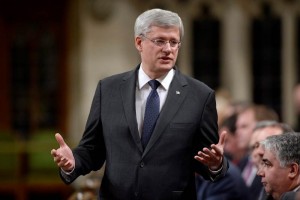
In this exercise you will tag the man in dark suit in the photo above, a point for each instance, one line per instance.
(185, 137)
(262, 130)
(280, 169)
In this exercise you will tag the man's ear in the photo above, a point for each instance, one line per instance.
(138, 43)
(294, 170)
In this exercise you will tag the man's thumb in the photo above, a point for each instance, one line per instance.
(60, 140)
(223, 137)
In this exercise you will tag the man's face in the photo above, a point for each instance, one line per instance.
(158, 60)
(244, 126)
(230, 145)
(274, 177)
(259, 135)
(253, 146)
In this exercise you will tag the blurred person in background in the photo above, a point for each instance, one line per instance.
(245, 124)
(228, 124)
(261, 131)
(231, 149)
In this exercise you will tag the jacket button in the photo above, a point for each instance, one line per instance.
(142, 164)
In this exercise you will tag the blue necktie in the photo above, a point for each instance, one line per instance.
(151, 112)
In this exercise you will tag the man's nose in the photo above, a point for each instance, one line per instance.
(167, 47)
(260, 171)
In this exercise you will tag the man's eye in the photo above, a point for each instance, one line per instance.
(173, 43)
(266, 164)
(160, 42)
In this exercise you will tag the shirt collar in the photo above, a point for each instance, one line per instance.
(165, 80)
(297, 188)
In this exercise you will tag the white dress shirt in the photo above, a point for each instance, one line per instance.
(143, 89)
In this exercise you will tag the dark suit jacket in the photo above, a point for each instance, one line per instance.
(165, 169)
(292, 195)
(256, 186)
(263, 195)
(230, 187)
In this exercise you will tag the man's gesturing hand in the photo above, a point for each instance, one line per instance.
(213, 157)
(63, 156)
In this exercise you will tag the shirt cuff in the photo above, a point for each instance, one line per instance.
(67, 173)
(215, 172)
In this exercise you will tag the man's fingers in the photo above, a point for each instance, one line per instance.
(60, 140)
(208, 152)
(215, 150)
(53, 152)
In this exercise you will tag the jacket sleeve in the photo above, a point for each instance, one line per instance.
(208, 134)
(90, 153)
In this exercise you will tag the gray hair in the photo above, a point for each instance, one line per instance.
(286, 147)
(272, 123)
(157, 17)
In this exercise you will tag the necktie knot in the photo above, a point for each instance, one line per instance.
(154, 84)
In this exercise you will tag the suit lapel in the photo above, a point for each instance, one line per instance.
(176, 95)
(127, 90)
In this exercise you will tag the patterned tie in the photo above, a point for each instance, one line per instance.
(151, 112)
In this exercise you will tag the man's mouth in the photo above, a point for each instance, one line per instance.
(165, 58)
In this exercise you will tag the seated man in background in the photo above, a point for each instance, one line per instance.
(262, 130)
(231, 149)
(280, 167)
(245, 124)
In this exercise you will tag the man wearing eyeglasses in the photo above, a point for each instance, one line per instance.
(153, 126)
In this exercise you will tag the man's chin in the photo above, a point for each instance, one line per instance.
(268, 191)
(166, 66)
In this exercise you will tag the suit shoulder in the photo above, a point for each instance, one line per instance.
(197, 84)
(116, 78)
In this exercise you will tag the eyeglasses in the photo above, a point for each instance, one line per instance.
(161, 43)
